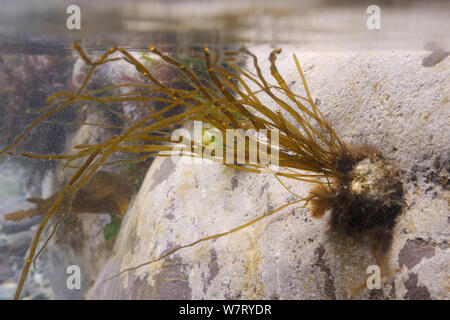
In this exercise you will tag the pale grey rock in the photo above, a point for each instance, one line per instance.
(5, 273)
(388, 99)
(16, 236)
(7, 291)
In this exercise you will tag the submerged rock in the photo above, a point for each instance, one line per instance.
(387, 99)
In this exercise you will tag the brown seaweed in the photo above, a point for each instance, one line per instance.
(106, 192)
(309, 149)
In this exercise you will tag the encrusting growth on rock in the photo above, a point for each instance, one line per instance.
(365, 198)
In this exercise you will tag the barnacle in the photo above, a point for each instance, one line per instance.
(356, 184)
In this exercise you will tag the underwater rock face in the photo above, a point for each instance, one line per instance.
(388, 99)
(16, 237)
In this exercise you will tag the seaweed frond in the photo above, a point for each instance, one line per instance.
(223, 96)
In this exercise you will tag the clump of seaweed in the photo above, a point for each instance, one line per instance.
(356, 184)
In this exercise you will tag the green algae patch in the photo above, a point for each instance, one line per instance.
(111, 230)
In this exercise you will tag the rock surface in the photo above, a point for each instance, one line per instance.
(16, 237)
(390, 99)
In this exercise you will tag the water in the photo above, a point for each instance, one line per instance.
(37, 60)
(311, 25)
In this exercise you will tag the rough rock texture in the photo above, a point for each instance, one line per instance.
(16, 237)
(390, 99)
